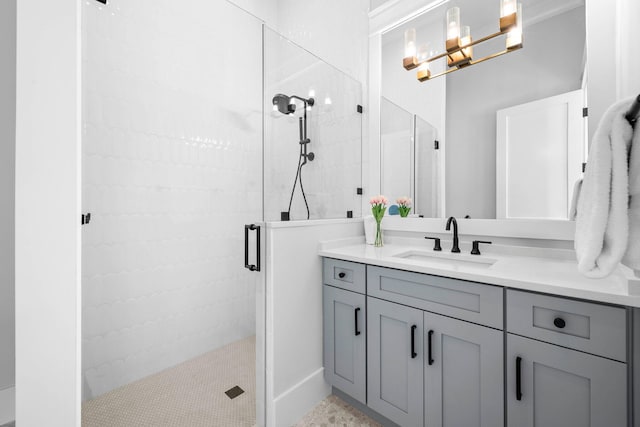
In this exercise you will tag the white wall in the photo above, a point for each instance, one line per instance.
(629, 69)
(172, 155)
(604, 46)
(7, 206)
(544, 67)
(294, 315)
(47, 214)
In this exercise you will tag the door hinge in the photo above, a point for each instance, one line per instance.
(86, 218)
(359, 109)
(102, 1)
(359, 191)
(584, 167)
(349, 214)
(436, 145)
(585, 112)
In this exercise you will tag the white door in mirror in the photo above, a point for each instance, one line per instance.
(539, 155)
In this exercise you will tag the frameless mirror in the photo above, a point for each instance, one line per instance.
(511, 130)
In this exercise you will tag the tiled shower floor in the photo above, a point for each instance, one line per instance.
(192, 394)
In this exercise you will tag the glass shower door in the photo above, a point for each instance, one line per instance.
(172, 171)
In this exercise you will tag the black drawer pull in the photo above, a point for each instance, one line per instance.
(518, 378)
(559, 322)
(413, 342)
(342, 274)
(430, 349)
(356, 320)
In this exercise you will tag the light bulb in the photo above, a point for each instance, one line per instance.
(327, 101)
(465, 38)
(453, 23)
(514, 37)
(312, 93)
(423, 52)
(507, 7)
(410, 43)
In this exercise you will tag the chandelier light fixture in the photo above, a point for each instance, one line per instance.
(459, 44)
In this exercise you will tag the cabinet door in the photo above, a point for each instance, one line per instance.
(463, 374)
(395, 372)
(345, 362)
(562, 387)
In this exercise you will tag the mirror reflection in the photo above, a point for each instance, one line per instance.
(514, 119)
(409, 162)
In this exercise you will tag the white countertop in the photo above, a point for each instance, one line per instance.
(552, 271)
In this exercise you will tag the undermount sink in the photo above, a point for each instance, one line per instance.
(449, 260)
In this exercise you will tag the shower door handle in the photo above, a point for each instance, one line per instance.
(247, 228)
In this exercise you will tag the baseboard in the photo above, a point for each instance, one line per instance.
(294, 403)
(7, 405)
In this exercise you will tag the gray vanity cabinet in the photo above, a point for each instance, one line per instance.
(553, 386)
(345, 359)
(566, 362)
(395, 361)
(463, 373)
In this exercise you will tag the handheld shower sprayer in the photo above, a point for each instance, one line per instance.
(286, 105)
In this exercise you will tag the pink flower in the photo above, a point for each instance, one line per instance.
(404, 201)
(378, 200)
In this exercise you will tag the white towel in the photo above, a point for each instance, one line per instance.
(602, 223)
(573, 212)
(632, 256)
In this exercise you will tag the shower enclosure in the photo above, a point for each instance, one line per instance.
(179, 155)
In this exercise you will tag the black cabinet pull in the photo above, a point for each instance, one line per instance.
(518, 378)
(356, 320)
(413, 342)
(430, 335)
(559, 322)
(342, 274)
(256, 266)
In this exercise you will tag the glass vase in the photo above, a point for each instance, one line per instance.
(378, 242)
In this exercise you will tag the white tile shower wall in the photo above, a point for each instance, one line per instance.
(335, 130)
(171, 172)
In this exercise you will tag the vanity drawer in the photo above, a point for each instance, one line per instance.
(344, 274)
(593, 328)
(471, 301)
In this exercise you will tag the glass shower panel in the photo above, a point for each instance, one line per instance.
(330, 170)
(172, 170)
(396, 146)
(427, 166)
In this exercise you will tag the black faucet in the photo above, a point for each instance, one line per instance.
(455, 247)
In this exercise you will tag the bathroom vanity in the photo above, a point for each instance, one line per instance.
(428, 338)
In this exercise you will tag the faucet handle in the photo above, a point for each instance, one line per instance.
(436, 246)
(474, 248)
